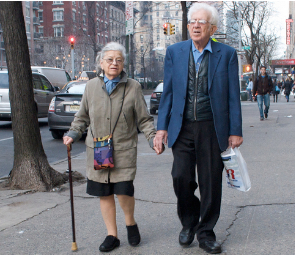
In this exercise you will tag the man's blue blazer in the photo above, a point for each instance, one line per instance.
(224, 91)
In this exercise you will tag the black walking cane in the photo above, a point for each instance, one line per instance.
(74, 244)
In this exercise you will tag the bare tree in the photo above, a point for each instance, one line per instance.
(257, 41)
(31, 169)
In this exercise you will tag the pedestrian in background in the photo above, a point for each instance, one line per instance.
(249, 89)
(275, 90)
(200, 116)
(99, 111)
(262, 88)
(288, 87)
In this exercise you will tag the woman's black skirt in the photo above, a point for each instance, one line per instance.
(106, 189)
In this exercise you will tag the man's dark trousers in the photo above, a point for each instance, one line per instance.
(197, 145)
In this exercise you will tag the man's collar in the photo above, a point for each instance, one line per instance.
(207, 47)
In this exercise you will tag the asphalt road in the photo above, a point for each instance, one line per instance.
(54, 149)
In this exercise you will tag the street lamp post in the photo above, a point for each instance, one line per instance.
(240, 47)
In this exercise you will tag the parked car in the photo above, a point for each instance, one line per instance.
(87, 75)
(63, 108)
(43, 93)
(58, 77)
(155, 98)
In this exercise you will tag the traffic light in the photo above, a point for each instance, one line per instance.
(166, 28)
(247, 68)
(72, 41)
(172, 29)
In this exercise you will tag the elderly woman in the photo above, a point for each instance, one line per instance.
(107, 100)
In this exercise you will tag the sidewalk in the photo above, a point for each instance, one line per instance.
(261, 221)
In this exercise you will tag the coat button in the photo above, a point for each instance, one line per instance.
(180, 115)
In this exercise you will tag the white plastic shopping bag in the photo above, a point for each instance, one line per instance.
(237, 176)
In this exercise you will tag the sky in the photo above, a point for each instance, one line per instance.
(281, 13)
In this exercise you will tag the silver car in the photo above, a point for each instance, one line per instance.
(43, 93)
(63, 107)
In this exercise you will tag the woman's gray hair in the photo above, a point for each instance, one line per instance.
(108, 47)
(201, 6)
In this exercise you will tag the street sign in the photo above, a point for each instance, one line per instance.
(220, 36)
(129, 17)
(246, 47)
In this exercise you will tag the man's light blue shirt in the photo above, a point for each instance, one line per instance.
(198, 56)
(111, 84)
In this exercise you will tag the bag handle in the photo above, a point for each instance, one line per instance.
(118, 115)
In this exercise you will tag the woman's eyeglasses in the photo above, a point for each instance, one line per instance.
(111, 61)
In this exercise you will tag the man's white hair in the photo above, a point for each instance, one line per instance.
(201, 6)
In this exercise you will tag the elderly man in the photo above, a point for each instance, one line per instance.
(200, 116)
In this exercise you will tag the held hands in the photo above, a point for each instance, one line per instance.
(235, 141)
(67, 140)
(161, 136)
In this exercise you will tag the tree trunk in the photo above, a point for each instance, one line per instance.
(184, 20)
(31, 169)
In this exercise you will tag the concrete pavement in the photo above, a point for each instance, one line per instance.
(260, 221)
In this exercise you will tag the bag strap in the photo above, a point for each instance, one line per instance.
(118, 115)
(120, 110)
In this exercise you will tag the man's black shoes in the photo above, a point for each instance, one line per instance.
(211, 247)
(186, 236)
(110, 243)
(265, 115)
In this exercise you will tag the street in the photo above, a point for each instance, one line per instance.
(54, 149)
(260, 221)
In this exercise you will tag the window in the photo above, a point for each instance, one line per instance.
(28, 12)
(176, 29)
(141, 38)
(177, 6)
(84, 19)
(58, 48)
(73, 3)
(58, 15)
(158, 37)
(28, 27)
(41, 48)
(74, 16)
(37, 83)
(157, 14)
(176, 13)
(41, 31)
(141, 48)
(46, 84)
(58, 31)
(40, 14)
(112, 13)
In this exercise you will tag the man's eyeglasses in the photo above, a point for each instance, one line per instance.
(200, 21)
(118, 61)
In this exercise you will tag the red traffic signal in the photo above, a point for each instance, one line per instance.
(166, 28)
(72, 41)
(247, 68)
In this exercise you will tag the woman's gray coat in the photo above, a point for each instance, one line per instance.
(99, 111)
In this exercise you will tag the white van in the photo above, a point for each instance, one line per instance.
(58, 77)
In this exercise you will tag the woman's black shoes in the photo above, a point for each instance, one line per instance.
(133, 235)
(110, 243)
